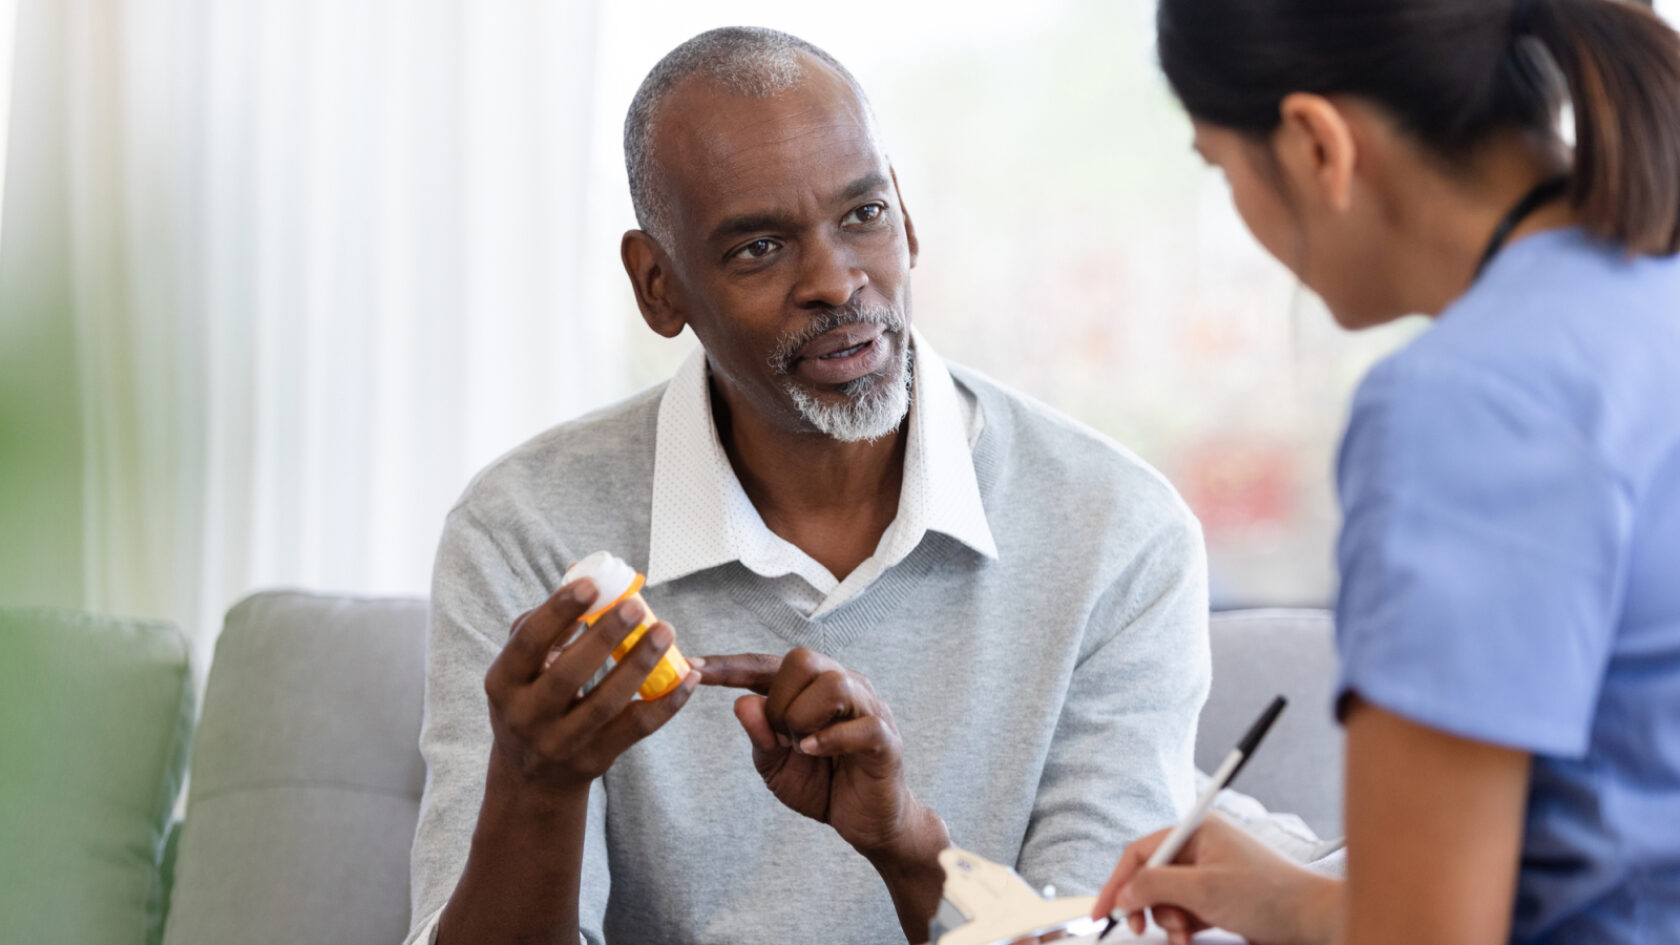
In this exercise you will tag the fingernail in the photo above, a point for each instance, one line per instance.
(783, 740)
(697, 661)
(583, 591)
(809, 745)
(630, 612)
(662, 636)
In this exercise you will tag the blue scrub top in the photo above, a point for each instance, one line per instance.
(1510, 560)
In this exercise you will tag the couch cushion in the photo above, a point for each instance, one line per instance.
(1258, 654)
(306, 775)
(95, 725)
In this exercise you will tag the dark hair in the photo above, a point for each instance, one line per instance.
(1453, 73)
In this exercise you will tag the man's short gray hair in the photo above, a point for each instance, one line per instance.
(745, 60)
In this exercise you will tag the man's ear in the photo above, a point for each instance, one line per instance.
(657, 294)
(909, 225)
(1317, 149)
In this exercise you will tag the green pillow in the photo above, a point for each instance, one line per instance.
(96, 721)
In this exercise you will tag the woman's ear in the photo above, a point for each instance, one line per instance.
(657, 294)
(1316, 149)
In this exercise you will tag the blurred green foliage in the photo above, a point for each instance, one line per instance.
(41, 449)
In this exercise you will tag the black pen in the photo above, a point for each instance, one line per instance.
(1222, 779)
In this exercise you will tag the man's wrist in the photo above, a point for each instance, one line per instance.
(524, 867)
(511, 795)
(909, 866)
(915, 848)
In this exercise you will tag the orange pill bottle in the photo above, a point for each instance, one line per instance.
(617, 582)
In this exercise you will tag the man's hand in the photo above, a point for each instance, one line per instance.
(1227, 878)
(825, 744)
(550, 738)
(523, 871)
(827, 747)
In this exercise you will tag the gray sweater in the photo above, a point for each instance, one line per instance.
(1047, 700)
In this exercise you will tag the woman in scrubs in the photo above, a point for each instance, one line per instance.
(1509, 613)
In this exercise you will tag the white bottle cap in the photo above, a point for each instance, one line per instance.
(611, 575)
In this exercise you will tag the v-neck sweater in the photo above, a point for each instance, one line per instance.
(1046, 699)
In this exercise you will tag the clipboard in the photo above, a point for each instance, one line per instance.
(986, 903)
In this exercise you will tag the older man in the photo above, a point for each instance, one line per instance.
(956, 616)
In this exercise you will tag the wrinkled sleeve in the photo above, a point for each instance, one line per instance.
(478, 588)
(1482, 553)
(1122, 762)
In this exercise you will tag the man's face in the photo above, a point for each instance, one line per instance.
(792, 252)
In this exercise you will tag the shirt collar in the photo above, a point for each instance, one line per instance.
(701, 516)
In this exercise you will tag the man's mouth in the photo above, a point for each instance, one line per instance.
(842, 342)
(844, 355)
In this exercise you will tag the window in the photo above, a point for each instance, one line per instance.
(8, 26)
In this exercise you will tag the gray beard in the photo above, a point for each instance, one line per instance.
(871, 414)
(871, 409)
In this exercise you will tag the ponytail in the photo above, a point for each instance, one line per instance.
(1622, 64)
(1454, 73)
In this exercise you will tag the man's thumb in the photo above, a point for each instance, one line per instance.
(750, 711)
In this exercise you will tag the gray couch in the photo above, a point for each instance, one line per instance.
(306, 777)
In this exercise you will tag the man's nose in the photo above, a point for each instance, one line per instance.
(829, 275)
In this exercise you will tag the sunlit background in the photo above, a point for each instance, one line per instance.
(277, 278)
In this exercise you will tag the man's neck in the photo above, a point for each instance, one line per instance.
(831, 499)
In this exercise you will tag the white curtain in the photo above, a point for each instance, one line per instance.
(275, 280)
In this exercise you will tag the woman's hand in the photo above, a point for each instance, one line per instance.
(1225, 878)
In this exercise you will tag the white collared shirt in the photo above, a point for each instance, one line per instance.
(702, 517)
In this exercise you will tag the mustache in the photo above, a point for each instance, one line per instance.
(852, 313)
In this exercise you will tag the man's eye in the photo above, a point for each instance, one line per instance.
(868, 213)
(757, 249)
